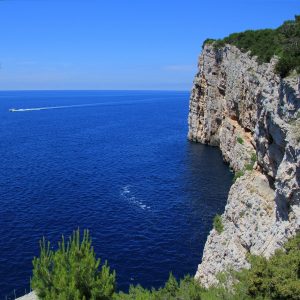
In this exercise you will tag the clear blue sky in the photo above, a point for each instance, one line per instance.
(119, 44)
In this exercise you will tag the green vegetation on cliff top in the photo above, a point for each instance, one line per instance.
(73, 272)
(283, 42)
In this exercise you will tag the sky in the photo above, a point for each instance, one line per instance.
(119, 44)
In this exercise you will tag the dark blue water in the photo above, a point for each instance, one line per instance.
(121, 167)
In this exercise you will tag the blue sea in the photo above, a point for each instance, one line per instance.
(115, 162)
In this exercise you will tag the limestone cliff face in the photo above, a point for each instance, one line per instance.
(250, 113)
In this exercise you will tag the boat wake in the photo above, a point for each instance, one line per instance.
(150, 100)
(53, 107)
(127, 195)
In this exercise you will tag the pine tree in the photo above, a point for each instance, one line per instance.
(72, 272)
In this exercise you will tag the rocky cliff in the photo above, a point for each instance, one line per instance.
(253, 115)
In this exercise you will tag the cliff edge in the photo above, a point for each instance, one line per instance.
(253, 116)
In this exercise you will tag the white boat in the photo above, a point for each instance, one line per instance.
(12, 109)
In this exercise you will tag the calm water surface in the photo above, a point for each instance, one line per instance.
(120, 166)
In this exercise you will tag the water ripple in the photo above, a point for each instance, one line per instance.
(126, 172)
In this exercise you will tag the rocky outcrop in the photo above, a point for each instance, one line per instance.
(253, 116)
(30, 296)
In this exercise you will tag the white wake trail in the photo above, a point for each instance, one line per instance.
(149, 100)
(53, 107)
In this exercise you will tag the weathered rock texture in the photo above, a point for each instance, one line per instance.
(249, 112)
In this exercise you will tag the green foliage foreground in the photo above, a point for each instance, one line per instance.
(72, 272)
(283, 42)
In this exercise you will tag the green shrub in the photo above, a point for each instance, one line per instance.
(208, 42)
(284, 66)
(72, 271)
(249, 167)
(283, 42)
(276, 278)
(240, 140)
(218, 225)
(186, 288)
(238, 174)
(253, 158)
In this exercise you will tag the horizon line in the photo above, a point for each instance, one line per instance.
(116, 90)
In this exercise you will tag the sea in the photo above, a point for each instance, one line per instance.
(115, 162)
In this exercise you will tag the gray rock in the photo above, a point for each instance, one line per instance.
(30, 296)
(245, 108)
